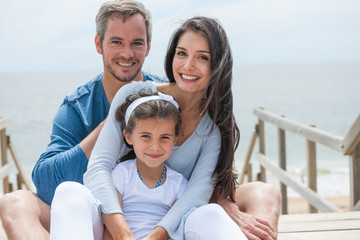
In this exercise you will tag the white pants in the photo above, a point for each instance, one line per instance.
(75, 215)
(211, 222)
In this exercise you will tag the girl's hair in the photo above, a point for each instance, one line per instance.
(153, 108)
(218, 99)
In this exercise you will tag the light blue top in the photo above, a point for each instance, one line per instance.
(195, 159)
(79, 114)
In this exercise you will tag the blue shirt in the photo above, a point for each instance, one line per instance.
(79, 114)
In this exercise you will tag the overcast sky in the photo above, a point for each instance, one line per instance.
(48, 35)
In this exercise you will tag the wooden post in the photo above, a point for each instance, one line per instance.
(262, 174)
(282, 164)
(355, 179)
(4, 159)
(247, 164)
(311, 169)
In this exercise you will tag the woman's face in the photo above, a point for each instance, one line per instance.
(191, 64)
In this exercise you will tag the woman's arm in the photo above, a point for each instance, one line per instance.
(200, 186)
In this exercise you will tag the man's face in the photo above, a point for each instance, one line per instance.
(124, 47)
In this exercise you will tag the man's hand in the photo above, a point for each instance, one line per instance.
(253, 228)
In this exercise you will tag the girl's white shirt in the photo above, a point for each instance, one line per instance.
(143, 207)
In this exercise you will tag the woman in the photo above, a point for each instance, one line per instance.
(199, 66)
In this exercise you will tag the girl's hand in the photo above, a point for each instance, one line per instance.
(157, 233)
(117, 227)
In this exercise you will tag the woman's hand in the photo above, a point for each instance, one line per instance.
(116, 227)
(253, 228)
(157, 233)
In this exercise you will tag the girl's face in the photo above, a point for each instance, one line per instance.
(152, 139)
(191, 64)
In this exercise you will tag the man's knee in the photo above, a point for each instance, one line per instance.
(14, 205)
(253, 193)
(259, 188)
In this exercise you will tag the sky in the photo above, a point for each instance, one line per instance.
(48, 35)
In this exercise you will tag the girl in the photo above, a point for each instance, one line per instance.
(151, 124)
(146, 187)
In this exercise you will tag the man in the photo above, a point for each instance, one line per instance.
(123, 38)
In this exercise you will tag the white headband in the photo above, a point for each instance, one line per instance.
(141, 100)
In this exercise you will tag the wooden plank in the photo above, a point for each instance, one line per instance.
(4, 122)
(313, 134)
(5, 170)
(282, 164)
(319, 217)
(352, 138)
(261, 128)
(247, 168)
(311, 169)
(320, 226)
(4, 158)
(17, 163)
(323, 235)
(312, 197)
(2, 232)
(355, 179)
(316, 226)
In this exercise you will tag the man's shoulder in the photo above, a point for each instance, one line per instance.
(86, 90)
(152, 77)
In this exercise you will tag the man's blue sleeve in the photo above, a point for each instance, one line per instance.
(63, 160)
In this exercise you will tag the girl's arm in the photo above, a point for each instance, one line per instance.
(121, 232)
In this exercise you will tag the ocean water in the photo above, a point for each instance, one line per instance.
(323, 94)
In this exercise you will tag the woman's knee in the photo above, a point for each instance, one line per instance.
(209, 213)
(211, 222)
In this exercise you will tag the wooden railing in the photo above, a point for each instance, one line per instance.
(6, 167)
(348, 145)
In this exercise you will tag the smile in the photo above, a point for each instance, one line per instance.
(154, 155)
(189, 77)
(123, 64)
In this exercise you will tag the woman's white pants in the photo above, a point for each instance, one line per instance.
(75, 215)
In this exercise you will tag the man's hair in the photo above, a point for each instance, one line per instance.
(124, 9)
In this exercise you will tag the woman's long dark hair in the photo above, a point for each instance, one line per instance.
(219, 99)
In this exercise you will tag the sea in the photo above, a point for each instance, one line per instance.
(326, 95)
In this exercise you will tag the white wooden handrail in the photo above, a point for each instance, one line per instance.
(313, 134)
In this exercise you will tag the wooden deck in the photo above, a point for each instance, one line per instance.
(315, 226)
(320, 226)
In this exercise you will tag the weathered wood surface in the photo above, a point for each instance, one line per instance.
(315, 226)
(320, 226)
(2, 232)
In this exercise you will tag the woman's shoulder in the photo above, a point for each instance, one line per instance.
(136, 86)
